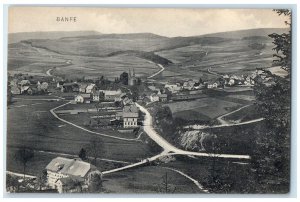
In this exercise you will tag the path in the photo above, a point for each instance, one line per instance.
(49, 72)
(223, 122)
(188, 177)
(20, 174)
(89, 131)
(161, 70)
(198, 127)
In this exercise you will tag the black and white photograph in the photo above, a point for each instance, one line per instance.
(112, 100)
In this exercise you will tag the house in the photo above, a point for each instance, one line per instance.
(231, 82)
(90, 88)
(83, 98)
(15, 90)
(154, 97)
(111, 95)
(189, 85)
(26, 90)
(98, 95)
(163, 97)
(173, 88)
(70, 87)
(130, 116)
(215, 85)
(82, 88)
(24, 83)
(62, 171)
(127, 101)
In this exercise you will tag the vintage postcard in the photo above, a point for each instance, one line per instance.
(148, 100)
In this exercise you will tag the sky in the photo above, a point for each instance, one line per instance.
(161, 21)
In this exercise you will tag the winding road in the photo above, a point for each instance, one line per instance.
(168, 148)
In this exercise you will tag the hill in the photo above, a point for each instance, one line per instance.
(239, 34)
(21, 36)
(91, 53)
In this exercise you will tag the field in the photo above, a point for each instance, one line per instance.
(235, 174)
(204, 109)
(31, 125)
(133, 181)
(23, 58)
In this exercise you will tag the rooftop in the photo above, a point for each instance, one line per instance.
(74, 167)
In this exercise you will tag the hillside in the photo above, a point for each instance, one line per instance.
(239, 34)
(238, 52)
(21, 36)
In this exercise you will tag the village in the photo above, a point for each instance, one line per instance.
(111, 105)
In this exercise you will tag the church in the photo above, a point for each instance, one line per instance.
(132, 80)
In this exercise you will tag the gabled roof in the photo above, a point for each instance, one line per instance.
(130, 111)
(163, 95)
(83, 85)
(85, 95)
(90, 86)
(74, 167)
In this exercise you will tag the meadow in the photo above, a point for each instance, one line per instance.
(33, 126)
(203, 108)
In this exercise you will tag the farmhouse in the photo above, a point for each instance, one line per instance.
(60, 171)
(173, 88)
(83, 98)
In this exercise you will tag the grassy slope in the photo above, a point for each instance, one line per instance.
(34, 127)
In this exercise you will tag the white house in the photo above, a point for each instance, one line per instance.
(130, 116)
(83, 98)
(60, 170)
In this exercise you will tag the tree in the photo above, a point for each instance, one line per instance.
(41, 179)
(24, 156)
(82, 154)
(95, 147)
(273, 100)
(95, 181)
(164, 186)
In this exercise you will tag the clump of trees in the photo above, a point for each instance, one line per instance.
(271, 160)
